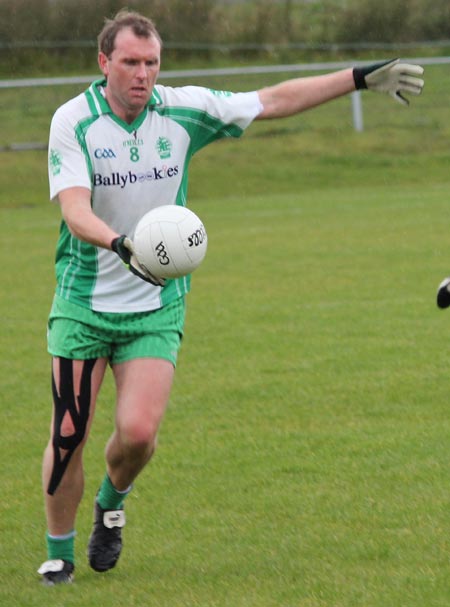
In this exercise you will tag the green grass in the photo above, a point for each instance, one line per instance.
(303, 461)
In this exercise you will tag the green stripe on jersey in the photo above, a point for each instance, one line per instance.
(200, 125)
(76, 267)
(92, 102)
(80, 133)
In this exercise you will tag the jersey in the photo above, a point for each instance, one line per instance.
(131, 169)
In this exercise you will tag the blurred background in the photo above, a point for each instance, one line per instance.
(54, 36)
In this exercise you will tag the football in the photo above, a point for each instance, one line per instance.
(170, 241)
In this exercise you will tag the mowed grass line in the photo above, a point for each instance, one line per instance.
(303, 460)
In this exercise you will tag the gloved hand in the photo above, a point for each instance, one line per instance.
(123, 246)
(391, 77)
(443, 294)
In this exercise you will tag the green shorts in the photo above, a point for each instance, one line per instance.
(78, 333)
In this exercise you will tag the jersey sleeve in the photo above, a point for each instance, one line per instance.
(68, 164)
(209, 114)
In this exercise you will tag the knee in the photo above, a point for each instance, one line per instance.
(67, 435)
(68, 432)
(138, 436)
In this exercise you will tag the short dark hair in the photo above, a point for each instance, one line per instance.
(141, 26)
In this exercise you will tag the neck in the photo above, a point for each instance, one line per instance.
(128, 115)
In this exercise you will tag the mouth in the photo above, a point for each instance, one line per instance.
(138, 90)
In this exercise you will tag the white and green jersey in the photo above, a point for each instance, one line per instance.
(130, 169)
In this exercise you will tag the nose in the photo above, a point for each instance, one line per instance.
(141, 71)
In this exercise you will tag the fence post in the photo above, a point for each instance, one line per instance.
(357, 112)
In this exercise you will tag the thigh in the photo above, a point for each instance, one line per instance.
(143, 389)
(76, 384)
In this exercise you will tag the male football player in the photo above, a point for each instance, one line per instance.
(116, 151)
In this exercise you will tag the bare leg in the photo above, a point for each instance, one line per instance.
(62, 502)
(143, 389)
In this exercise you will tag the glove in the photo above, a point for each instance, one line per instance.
(443, 294)
(390, 77)
(123, 246)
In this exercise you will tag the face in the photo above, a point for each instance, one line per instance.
(131, 72)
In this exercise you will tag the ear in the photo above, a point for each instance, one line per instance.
(103, 63)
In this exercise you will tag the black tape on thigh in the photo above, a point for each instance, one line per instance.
(78, 407)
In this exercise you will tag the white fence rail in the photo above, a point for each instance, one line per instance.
(356, 101)
(228, 71)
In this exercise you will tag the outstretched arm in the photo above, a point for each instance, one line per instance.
(293, 96)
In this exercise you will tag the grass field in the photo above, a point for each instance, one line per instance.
(303, 461)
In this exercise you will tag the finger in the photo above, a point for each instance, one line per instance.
(128, 243)
(399, 97)
(141, 271)
(412, 89)
(409, 69)
(416, 82)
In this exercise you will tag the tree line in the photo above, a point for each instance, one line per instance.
(207, 24)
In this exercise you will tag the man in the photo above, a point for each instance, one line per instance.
(115, 152)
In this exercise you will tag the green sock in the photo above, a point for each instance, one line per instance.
(61, 547)
(108, 497)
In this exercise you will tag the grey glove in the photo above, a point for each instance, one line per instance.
(391, 77)
(123, 246)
